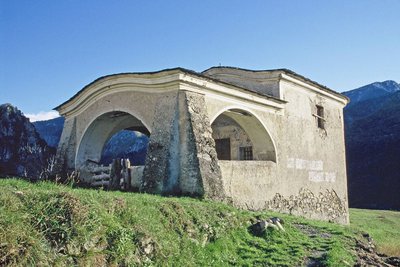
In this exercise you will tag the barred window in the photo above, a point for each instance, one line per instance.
(246, 153)
(320, 117)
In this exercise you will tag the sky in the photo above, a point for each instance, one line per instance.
(50, 49)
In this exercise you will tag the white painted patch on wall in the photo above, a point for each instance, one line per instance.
(315, 168)
(303, 164)
(291, 163)
(318, 177)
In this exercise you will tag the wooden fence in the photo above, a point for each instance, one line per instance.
(116, 176)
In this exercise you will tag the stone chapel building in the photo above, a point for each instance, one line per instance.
(269, 139)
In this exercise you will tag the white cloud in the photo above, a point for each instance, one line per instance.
(42, 116)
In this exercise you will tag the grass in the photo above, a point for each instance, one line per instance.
(49, 224)
(382, 225)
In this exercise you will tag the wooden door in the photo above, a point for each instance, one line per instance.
(223, 147)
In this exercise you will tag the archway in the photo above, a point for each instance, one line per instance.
(239, 135)
(99, 133)
(127, 144)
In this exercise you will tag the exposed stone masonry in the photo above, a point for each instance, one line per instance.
(324, 205)
(156, 168)
(200, 135)
(66, 149)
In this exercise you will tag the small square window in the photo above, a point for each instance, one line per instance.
(246, 153)
(320, 117)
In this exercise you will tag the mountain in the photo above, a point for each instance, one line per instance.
(124, 144)
(50, 130)
(372, 129)
(368, 99)
(22, 152)
(372, 91)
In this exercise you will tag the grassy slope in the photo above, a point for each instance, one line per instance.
(47, 224)
(382, 225)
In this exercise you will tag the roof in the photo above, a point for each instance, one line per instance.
(201, 75)
(191, 72)
(289, 73)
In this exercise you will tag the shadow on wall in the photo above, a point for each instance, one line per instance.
(239, 135)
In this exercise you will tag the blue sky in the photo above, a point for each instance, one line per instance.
(51, 49)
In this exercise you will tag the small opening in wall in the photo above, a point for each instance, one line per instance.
(246, 153)
(320, 117)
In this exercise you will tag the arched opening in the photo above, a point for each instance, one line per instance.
(239, 135)
(127, 144)
(116, 133)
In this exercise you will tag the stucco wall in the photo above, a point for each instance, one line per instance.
(316, 157)
(249, 183)
(309, 176)
(264, 83)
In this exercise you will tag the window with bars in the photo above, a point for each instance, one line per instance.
(246, 153)
(320, 117)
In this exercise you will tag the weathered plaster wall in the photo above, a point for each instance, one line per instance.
(310, 176)
(249, 183)
(264, 83)
(318, 158)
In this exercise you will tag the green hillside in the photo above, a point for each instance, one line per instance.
(382, 225)
(48, 224)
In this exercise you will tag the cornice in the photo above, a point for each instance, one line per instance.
(156, 82)
(337, 97)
